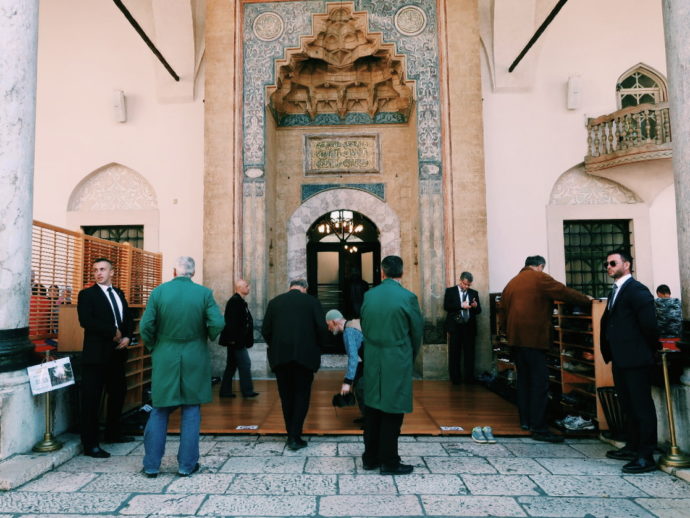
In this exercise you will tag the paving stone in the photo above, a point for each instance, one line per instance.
(58, 482)
(443, 438)
(236, 438)
(666, 507)
(373, 505)
(660, 485)
(336, 438)
(29, 502)
(128, 483)
(120, 464)
(501, 485)
(579, 507)
(317, 449)
(210, 463)
(517, 466)
(350, 449)
(586, 485)
(292, 484)
(258, 505)
(245, 448)
(326, 465)
(582, 466)
(473, 465)
(366, 485)
(200, 483)
(20, 469)
(172, 444)
(263, 465)
(471, 506)
(595, 450)
(163, 504)
(473, 449)
(123, 448)
(106, 515)
(535, 449)
(421, 449)
(428, 484)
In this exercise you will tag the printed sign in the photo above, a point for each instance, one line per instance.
(451, 428)
(48, 376)
(247, 427)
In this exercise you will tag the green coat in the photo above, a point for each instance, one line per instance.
(393, 328)
(180, 317)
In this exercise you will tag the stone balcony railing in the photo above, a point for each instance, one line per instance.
(629, 135)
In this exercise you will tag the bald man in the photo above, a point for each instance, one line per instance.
(238, 337)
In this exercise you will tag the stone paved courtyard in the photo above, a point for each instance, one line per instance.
(258, 476)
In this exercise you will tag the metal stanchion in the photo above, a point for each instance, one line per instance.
(675, 458)
(49, 443)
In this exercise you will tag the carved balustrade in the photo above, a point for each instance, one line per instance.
(629, 135)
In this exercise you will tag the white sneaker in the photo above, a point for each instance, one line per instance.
(580, 424)
(489, 435)
(478, 435)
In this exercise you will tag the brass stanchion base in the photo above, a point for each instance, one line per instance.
(47, 444)
(675, 459)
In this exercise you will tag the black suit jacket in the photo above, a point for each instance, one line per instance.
(97, 319)
(451, 303)
(295, 330)
(238, 332)
(629, 334)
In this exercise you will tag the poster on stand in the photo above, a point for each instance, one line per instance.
(52, 375)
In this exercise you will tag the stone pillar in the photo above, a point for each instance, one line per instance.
(676, 23)
(18, 41)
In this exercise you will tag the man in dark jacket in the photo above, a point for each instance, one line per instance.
(295, 330)
(462, 304)
(108, 328)
(526, 313)
(238, 337)
(629, 339)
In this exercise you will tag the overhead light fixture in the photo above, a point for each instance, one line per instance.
(341, 223)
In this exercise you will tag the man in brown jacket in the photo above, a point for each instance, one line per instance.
(526, 310)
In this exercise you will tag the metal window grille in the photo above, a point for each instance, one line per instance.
(586, 245)
(132, 234)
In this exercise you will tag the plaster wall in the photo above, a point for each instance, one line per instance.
(531, 138)
(82, 58)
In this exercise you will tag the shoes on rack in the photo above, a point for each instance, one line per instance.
(489, 434)
(478, 435)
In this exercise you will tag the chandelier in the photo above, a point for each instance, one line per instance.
(341, 223)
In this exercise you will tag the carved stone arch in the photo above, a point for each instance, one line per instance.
(113, 187)
(379, 212)
(576, 187)
(648, 71)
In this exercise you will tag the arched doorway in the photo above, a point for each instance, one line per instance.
(343, 258)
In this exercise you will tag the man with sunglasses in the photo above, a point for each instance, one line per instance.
(629, 339)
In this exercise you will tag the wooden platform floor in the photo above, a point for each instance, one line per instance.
(436, 404)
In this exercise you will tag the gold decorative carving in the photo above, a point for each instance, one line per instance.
(341, 68)
(341, 154)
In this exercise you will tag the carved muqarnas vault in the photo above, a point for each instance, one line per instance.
(341, 68)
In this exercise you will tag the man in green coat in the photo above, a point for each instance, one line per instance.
(392, 325)
(180, 317)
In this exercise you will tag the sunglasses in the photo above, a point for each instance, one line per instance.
(612, 264)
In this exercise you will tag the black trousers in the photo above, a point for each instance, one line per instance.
(461, 343)
(294, 388)
(381, 432)
(532, 387)
(94, 379)
(634, 388)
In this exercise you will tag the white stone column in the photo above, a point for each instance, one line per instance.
(676, 23)
(18, 41)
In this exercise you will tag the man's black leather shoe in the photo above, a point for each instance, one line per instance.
(641, 465)
(546, 437)
(622, 454)
(368, 466)
(400, 469)
(227, 395)
(296, 444)
(119, 439)
(253, 394)
(149, 475)
(97, 453)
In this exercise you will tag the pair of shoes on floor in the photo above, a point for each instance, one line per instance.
(546, 436)
(296, 443)
(96, 452)
(640, 465)
(483, 435)
(250, 395)
(194, 470)
(400, 469)
(624, 453)
(119, 439)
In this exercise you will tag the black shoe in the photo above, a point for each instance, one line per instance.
(359, 420)
(194, 470)
(119, 439)
(149, 475)
(296, 444)
(96, 453)
(524, 427)
(253, 394)
(227, 395)
(400, 469)
(546, 436)
(622, 454)
(640, 465)
(368, 466)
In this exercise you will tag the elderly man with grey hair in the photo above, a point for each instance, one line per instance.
(180, 317)
(295, 330)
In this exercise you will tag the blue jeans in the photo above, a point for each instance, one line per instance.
(238, 359)
(157, 430)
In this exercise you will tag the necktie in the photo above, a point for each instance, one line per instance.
(614, 289)
(465, 311)
(116, 309)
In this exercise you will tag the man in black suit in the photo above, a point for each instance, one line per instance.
(462, 305)
(629, 339)
(108, 328)
(295, 330)
(238, 337)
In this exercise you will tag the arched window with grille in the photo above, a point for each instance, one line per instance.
(641, 85)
